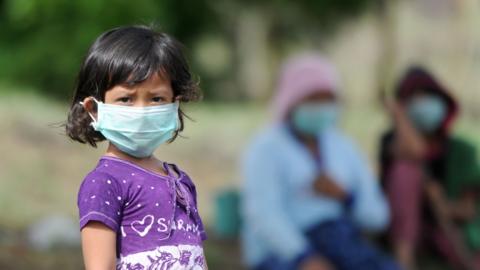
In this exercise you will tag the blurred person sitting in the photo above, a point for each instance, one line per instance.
(308, 192)
(431, 176)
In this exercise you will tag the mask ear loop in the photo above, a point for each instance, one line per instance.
(91, 115)
(177, 104)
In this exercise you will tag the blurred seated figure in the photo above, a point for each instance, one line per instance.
(308, 192)
(431, 176)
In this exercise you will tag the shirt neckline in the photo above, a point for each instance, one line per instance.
(165, 166)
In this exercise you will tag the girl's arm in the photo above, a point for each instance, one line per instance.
(98, 246)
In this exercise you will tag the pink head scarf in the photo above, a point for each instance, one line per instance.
(300, 77)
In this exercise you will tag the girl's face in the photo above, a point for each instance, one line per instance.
(157, 90)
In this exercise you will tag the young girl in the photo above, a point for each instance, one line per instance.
(136, 212)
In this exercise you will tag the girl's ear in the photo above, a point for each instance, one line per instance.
(90, 106)
(178, 98)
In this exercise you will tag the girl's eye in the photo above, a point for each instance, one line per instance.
(124, 99)
(157, 99)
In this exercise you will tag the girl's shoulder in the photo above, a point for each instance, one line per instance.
(119, 170)
(104, 173)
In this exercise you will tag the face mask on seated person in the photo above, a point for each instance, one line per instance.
(427, 113)
(313, 118)
(137, 131)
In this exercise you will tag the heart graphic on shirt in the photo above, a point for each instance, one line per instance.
(146, 223)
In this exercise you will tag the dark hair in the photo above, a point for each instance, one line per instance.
(128, 55)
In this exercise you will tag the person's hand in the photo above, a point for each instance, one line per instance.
(395, 109)
(326, 186)
(316, 263)
(390, 105)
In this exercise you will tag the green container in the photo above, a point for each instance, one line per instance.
(227, 214)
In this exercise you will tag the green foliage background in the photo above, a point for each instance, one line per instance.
(43, 41)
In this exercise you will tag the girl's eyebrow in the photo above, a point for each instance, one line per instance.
(125, 90)
(158, 90)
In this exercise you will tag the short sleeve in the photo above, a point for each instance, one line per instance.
(201, 227)
(100, 199)
(198, 220)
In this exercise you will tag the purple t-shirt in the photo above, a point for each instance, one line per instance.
(155, 217)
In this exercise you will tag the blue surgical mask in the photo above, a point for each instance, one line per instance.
(313, 118)
(427, 112)
(137, 131)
